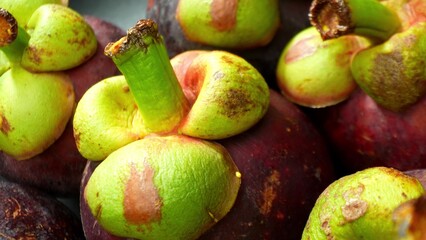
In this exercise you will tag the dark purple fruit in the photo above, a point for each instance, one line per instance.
(27, 213)
(284, 164)
(363, 134)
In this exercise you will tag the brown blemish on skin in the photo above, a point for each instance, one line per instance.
(395, 83)
(269, 193)
(4, 125)
(98, 211)
(77, 137)
(230, 61)
(236, 102)
(35, 53)
(355, 207)
(142, 203)
(325, 225)
(224, 14)
(126, 89)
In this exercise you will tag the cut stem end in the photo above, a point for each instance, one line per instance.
(367, 18)
(8, 28)
(331, 18)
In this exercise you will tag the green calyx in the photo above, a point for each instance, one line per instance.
(106, 119)
(34, 110)
(394, 72)
(60, 39)
(34, 107)
(228, 96)
(231, 95)
(54, 38)
(142, 58)
(368, 18)
(229, 24)
(23, 9)
(322, 86)
(357, 206)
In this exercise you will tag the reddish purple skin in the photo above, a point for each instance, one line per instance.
(284, 141)
(27, 213)
(59, 168)
(284, 144)
(294, 18)
(363, 135)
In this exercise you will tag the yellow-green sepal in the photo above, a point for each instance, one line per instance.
(172, 187)
(234, 96)
(361, 205)
(106, 119)
(60, 39)
(34, 110)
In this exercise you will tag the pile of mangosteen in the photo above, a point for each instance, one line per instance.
(274, 119)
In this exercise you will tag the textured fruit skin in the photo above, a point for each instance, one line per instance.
(393, 73)
(229, 24)
(363, 134)
(58, 169)
(285, 166)
(27, 213)
(358, 206)
(91, 227)
(28, 124)
(227, 88)
(163, 187)
(57, 45)
(293, 15)
(320, 86)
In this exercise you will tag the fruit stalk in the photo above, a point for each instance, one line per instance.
(368, 18)
(13, 39)
(142, 58)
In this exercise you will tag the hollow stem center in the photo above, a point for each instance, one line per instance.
(142, 58)
(368, 18)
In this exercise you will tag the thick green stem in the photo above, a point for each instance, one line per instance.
(142, 58)
(368, 18)
(13, 39)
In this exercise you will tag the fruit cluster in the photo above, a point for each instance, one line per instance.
(214, 120)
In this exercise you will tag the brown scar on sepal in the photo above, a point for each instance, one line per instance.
(5, 127)
(224, 14)
(142, 202)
